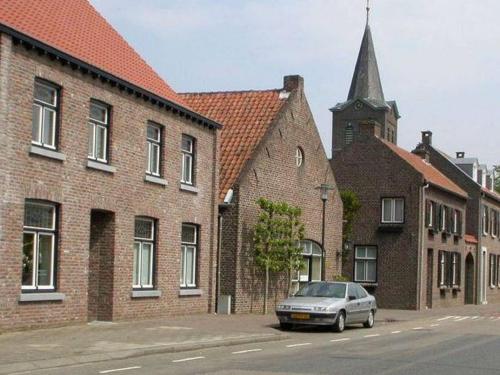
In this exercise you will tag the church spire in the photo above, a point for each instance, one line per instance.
(366, 82)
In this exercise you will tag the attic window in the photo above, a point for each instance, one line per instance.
(299, 157)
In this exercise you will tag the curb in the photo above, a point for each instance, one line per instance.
(21, 367)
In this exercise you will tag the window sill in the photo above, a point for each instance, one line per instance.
(40, 297)
(190, 292)
(100, 166)
(45, 152)
(366, 284)
(189, 188)
(146, 293)
(155, 180)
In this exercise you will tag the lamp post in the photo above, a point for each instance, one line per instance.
(324, 189)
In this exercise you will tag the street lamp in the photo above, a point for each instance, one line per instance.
(324, 189)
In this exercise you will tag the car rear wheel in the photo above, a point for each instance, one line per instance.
(370, 321)
(339, 325)
(286, 326)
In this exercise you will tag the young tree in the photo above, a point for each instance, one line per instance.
(497, 178)
(352, 205)
(276, 234)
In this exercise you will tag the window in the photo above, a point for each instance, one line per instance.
(365, 264)
(429, 214)
(454, 268)
(494, 223)
(312, 255)
(45, 108)
(493, 261)
(187, 159)
(455, 221)
(498, 270)
(442, 269)
(486, 220)
(98, 131)
(144, 239)
(443, 225)
(39, 242)
(450, 269)
(348, 134)
(392, 210)
(153, 149)
(299, 157)
(189, 250)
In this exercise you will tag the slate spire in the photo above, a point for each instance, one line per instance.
(366, 82)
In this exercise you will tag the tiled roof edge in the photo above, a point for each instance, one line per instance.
(64, 58)
(229, 92)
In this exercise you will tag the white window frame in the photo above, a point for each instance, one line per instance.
(141, 241)
(443, 218)
(97, 124)
(37, 232)
(308, 254)
(185, 246)
(299, 157)
(392, 202)
(442, 265)
(187, 159)
(365, 259)
(485, 220)
(45, 106)
(454, 260)
(154, 143)
(455, 221)
(491, 272)
(431, 214)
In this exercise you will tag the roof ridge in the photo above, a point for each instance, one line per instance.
(230, 92)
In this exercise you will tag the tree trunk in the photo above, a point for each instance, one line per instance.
(290, 272)
(266, 290)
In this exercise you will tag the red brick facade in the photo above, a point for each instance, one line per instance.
(96, 209)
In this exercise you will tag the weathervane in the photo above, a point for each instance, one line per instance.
(367, 11)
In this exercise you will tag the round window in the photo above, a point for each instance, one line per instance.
(299, 157)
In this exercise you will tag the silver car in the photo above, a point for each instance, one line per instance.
(328, 303)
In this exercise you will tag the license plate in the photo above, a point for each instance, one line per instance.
(300, 316)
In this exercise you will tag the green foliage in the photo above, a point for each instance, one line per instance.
(497, 179)
(340, 278)
(276, 236)
(352, 205)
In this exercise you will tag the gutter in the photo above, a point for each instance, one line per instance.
(64, 58)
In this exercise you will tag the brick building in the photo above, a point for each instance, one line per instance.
(407, 246)
(108, 180)
(270, 147)
(483, 215)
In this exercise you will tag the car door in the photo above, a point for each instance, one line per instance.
(352, 304)
(364, 304)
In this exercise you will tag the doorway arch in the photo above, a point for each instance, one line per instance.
(469, 279)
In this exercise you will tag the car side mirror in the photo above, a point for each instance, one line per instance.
(352, 298)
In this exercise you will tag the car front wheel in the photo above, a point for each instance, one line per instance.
(286, 326)
(370, 321)
(339, 325)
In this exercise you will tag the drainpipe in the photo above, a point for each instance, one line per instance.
(217, 275)
(479, 255)
(421, 244)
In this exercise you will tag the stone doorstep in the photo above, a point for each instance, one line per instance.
(13, 368)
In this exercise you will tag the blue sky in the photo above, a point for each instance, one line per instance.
(439, 59)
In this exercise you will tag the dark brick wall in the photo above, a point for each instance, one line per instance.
(373, 171)
(79, 190)
(273, 174)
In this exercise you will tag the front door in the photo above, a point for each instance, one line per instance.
(469, 279)
(430, 275)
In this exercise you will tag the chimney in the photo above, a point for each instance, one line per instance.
(293, 82)
(460, 155)
(422, 151)
(427, 137)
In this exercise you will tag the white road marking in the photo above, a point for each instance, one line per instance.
(462, 318)
(394, 332)
(339, 340)
(492, 317)
(187, 359)
(119, 369)
(445, 318)
(475, 317)
(302, 344)
(247, 351)
(375, 335)
(417, 328)
(174, 328)
(434, 325)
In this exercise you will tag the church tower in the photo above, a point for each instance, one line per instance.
(365, 112)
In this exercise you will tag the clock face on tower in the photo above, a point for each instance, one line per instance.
(358, 106)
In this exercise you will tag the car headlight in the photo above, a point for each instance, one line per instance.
(324, 309)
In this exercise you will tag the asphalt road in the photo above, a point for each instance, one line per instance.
(438, 345)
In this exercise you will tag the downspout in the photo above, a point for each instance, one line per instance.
(217, 272)
(421, 243)
(479, 255)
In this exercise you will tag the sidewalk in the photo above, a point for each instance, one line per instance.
(49, 348)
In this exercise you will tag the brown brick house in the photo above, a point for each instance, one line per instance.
(407, 246)
(483, 215)
(270, 147)
(108, 180)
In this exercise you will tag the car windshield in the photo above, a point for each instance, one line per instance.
(329, 290)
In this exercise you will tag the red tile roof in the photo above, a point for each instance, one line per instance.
(77, 29)
(492, 194)
(430, 173)
(245, 117)
(469, 238)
